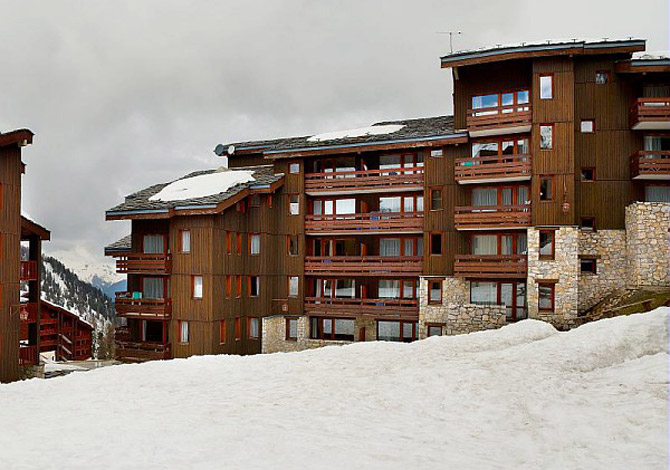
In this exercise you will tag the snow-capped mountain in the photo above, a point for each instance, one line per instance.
(100, 274)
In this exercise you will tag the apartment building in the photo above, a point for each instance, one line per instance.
(547, 189)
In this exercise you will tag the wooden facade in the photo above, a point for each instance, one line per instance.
(65, 333)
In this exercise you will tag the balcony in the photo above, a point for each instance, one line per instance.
(650, 114)
(650, 165)
(364, 265)
(491, 266)
(148, 309)
(131, 351)
(493, 169)
(371, 181)
(497, 120)
(371, 223)
(29, 270)
(346, 307)
(144, 263)
(492, 217)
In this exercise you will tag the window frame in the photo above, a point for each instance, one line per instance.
(250, 282)
(288, 328)
(249, 329)
(593, 225)
(202, 286)
(238, 328)
(290, 204)
(288, 287)
(433, 190)
(180, 324)
(291, 166)
(250, 242)
(605, 73)
(238, 243)
(238, 286)
(551, 179)
(433, 325)
(430, 289)
(551, 78)
(288, 245)
(589, 260)
(432, 245)
(229, 286)
(552, 233)
(553, 136)
(552, 287)
(229, 242)
(180, 248)
(255, 200)
(593, 174)
(222, 331)
(593, 126)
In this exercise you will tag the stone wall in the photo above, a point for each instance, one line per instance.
(608, 247)
(274, 335)
(648, 243)
(564, 270)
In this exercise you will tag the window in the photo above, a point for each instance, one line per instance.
(435, 244)
(602, 77)
(587, 126)
(546, 87)
(238, 328)
(546, 188)
(222, 332)
(293, 286)
(241, 207)
(185, 241)
(492, 147)
(547, 245)
(294, 204)
(229, 286)
(546, 136)
(270, 201)
(434, 292)
(229, 242)
(238, 286)
(436, 153)
(291, 329)
(254, 286)
(238, 243)
(254, 244)
(340, 329)
(183, 332)
(654, 193)
(294, 168)
(292, 243)
(482, 104)
(434, 330)
(546, 296)
(153, 244)
(435, 199)
(389, 247)
(253, 329)
(588, 223)
(588, 174)
(588, 265)
(255, 200)
(404, 331)
(196, 284)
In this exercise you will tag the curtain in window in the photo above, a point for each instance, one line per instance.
(522, 244)
(389, 247)
(255, 244)
(183, 333)
(655, 91)
(483, 293)
(409, 247)
(197, 287)
(522, 196)
(408, 204)
(253, 324)
(507, 196)
(485, 245)
(507, 245)
(389, 289)
(657, 193)
(153, 244)
(186, 241)
(484, 197)
(407, 289)
(419, 247)
(152, 288)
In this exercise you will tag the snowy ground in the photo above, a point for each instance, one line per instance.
(524, 396)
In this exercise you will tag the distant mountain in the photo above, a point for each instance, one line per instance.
(99, 274)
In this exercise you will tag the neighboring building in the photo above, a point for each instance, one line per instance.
(65, 333)
(547, 190)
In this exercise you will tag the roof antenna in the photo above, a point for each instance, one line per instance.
(451, 38)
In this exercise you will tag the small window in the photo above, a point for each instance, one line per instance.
(197, 287)
(546, 136)
(436, 244)
(229, 286)
(253, 328)
(588, 223)
(588, 266)
(547, 244)
(436, 153)
(588, 174)
(292, 244)
(255, 200)
(238, 286)
(185, 241)
(546, 189)
(602, 77)
(241, 207)
(293, 282)
(183, 332)
(294, 204)
(222, 332)
(254, 286)
(435, 199)
(238, 243)
(294, 168)
(434, 330)
(588, 126)
(270, 201)
(546, 87)
(229, 242)
(238, 328)
(291, 329)
(434, 292)
(546, 296)
(254, 244)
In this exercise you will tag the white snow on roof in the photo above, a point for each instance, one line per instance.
(360, 132)
(203, 185)
(547, 42)
(651, 55)
(525, 396)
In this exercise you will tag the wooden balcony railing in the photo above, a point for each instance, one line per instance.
(650, 113)
(359, 224)
(650, 164)
(499, 117)
(127, 306)
(395, 179)
(479, 217)
(355, 307)
(143, 263)
(29, 270)
(491, 169)
(491, 266)
(364, 265)
(28, 355)
(28, 312)
(142, 351)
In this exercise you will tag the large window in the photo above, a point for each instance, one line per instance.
(546, 87)
(389, 288)
(153, 244)
(404, 331)
(498, 147)
(503, 196)
(390, 204)
(499, 244)
(511, 294)
(653, 193)
(389, 247)
(341, 329)
(153, 288)
(516, 101)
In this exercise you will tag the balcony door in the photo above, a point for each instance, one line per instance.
(154, 244)
(153, 287)
(508, 293)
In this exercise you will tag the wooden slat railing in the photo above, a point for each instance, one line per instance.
(28, 355)
(395, 179)
(143, 263)
(491, 266)
(650, 163)
(142, 351)
(127, 306)
(650, 110)
(364, 265)
(29, 270)
(475, 217)
(493, 168)
(357, 223)
(499, 116)
(354, 307)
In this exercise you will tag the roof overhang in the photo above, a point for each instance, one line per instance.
(30, 228)
(643, 66)
(20, 137)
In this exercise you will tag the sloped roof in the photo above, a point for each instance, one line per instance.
(120, 246)
(17, 137)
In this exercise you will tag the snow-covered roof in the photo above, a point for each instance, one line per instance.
(198, 186)
(359, 132)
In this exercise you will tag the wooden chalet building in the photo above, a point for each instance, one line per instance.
(65, 333)
(545, 191)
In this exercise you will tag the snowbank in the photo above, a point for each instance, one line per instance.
(359, 132)
(525, 396)
(203, 185)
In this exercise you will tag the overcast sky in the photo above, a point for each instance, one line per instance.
(126, 93)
